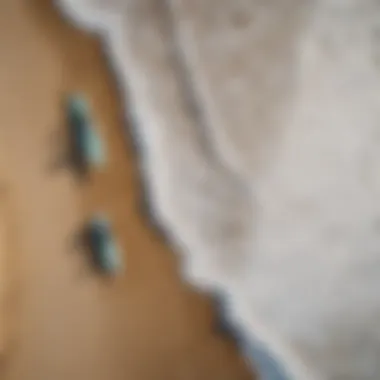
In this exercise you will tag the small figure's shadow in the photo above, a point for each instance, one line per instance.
(82, 242)
(65, 155)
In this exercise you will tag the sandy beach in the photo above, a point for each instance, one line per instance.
(68, 321)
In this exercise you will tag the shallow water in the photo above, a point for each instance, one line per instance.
(257, 355)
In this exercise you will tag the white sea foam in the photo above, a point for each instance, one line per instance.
(260, 128)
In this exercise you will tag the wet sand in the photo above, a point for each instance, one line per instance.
(68, 322)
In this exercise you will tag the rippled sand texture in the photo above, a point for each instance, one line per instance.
(260, 122)
(71, 322)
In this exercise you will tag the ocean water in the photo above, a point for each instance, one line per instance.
(257, 355)
(278, 204)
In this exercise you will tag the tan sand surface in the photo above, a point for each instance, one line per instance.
(68, 322)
